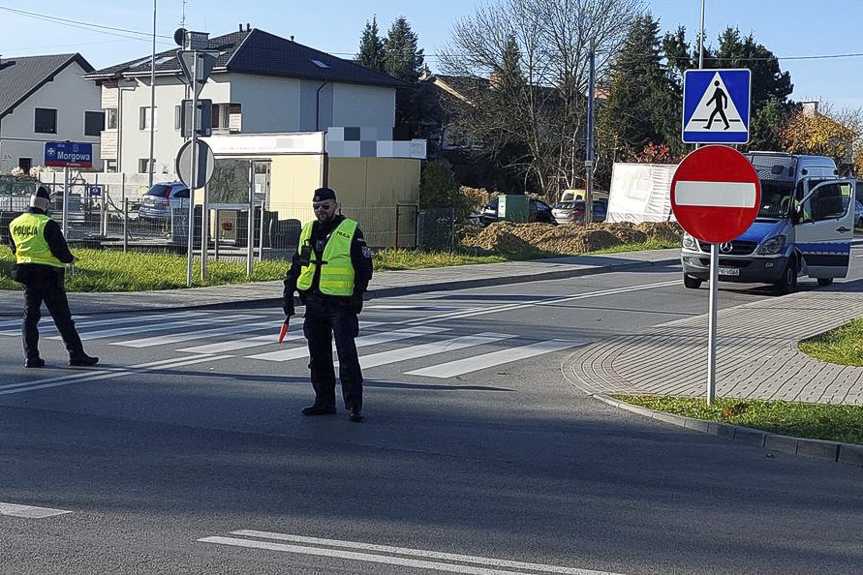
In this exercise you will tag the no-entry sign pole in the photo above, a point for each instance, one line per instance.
(715, 194)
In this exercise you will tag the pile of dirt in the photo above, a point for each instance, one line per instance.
(568, 239)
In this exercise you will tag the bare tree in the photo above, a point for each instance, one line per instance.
(535, 125)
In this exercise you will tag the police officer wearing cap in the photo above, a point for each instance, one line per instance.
(40, 252)
(331, 270)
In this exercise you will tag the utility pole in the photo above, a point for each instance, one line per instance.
(589, 161)
(152, 98)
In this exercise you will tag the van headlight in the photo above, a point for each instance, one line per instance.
(690, 243)
(772, 246)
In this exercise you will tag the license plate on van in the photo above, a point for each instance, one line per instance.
(729, 271)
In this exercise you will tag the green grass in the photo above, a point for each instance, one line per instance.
(107, 271)
(842, 423)
(843, 345)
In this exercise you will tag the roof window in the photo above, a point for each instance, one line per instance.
(319, 64)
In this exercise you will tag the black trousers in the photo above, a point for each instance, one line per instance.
(327, 319)
(45, 284)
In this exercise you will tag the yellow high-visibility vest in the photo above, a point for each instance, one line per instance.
(337, 271)
(28, 233)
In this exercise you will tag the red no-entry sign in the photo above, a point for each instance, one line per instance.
(715, 194)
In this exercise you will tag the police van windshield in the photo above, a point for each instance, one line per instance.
(775, 199)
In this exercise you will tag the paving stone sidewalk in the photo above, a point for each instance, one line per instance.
(757, 355)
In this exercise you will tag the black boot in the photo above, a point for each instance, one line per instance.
(34, 362)
(82, 360)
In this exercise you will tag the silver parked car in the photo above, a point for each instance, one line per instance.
(161, 198)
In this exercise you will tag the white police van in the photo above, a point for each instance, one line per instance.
(804, 227)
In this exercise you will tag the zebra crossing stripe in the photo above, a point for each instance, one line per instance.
(476, 363)
(49, 326)
(192, 335)
(29, 511)
(385, 357)
(367, 340)
(99, 334)
(258, 340)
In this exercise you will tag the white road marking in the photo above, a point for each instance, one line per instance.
(385, 357)
(367, 340)
(192, 335)
(476, 363)
(46, 327)
(107, 374)
(29, 511)
(540, 302)
(258, 340)
(103, 333)
(413, 558)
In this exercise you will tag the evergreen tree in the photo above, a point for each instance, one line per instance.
(641, 106)
(402, 59)
(371, 53)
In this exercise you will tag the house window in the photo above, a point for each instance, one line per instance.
(94, 123)
(111, 118)
(144, 166)
(144, 117)
(110, 165)
(46, 121)
(25, 164)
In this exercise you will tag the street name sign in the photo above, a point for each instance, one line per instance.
(716, 106)
(715, 194)
(68, 154)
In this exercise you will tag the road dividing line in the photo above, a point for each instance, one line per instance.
(426, 349)
(476, 363)
(413, 558)
(112, 374)
(28, 511)
(366, 340)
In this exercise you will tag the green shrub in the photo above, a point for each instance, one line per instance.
(439, 189)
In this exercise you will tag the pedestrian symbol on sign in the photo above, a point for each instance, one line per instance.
(716, 106)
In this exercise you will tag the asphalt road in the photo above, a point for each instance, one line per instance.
(184, 451)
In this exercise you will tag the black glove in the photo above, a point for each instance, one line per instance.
(288, 307)
(355, 304)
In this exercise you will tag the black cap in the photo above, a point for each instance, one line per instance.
(322, 194)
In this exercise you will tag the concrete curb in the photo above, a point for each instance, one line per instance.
(837, 452)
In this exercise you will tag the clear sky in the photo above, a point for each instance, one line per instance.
(792, 29)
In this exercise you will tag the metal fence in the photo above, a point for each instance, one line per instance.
(109, 215)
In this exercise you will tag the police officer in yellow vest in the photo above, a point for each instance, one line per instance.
(40, 252)
(331, 270)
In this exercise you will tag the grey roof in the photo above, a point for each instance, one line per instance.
(22, 77)
(257, 52)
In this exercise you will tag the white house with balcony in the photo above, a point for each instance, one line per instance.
(260, 83)
(46, 99)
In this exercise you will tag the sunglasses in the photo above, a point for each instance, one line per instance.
(323, 205)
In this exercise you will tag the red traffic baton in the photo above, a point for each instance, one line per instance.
(284, 330)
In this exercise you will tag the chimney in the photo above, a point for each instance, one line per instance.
(241, 26)
(248, 26)
(810, 109)
(292, 37)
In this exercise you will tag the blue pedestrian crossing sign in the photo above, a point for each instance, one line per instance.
(716, 106)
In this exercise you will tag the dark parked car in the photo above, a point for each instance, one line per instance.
(539, 212)
(160, 198)
(567, 212)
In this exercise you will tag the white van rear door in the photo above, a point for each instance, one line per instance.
(826, 227)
